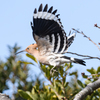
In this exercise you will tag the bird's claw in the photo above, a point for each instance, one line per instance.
(52, 71)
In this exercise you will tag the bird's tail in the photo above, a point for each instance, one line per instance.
(75, 60)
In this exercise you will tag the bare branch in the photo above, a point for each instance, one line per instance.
(4, 97)
(95, 25)
(89, 57)
(86, 37)
(87, 90)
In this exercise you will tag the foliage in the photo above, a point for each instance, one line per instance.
(94, 75)
(59, 88)
(15, 72)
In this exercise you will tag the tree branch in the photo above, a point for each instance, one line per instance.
(95, 25)
(4, 97)
(87, 90)
(88, 57)
(86, 37)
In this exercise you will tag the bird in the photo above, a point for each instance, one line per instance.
(51, 40)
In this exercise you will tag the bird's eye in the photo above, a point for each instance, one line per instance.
(28, 48)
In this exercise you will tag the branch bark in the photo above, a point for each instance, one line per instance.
(86, 37)
(4, 97)
(87, 90)
(87, 56)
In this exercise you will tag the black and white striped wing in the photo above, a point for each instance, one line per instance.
(70, 40)
(48, 31)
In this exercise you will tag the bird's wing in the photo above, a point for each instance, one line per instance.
(70, 40)
(48, 31)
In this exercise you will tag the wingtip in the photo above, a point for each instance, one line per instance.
(45, 8)
(54, 11)
(40, 7)
(84, 63)
(50, 10)
(31, 25)
(72, 35)
(35, 11)
(57, 15)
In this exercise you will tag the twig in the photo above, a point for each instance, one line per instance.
(95, 25)
(89, 57)
(87, 90)
(91, 76)
(86, 37)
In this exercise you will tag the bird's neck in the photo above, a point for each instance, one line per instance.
(36, 54)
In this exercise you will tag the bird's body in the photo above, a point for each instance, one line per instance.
(48, 58)
(51, 39)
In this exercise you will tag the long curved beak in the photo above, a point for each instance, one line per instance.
(19, 52)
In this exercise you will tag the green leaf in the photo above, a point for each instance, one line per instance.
(51, 95)
(64, 79)
(32, 57)
(68, 66)
(73, 73)
(98, 90)
(25, 62)
(25, 95)
(29, 93)
(98, 70)
(87, 81)
(61, 71)
(84, 76)
(36, 96)
(81, 84)
(92, 70)
(60, 85)
(66, 84)
(60, 97)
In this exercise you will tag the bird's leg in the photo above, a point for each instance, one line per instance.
(52, 70)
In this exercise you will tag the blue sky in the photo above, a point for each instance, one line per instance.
(15, 17)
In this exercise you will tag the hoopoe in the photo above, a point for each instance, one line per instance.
(51, 39)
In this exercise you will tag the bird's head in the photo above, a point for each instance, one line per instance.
(30, 49)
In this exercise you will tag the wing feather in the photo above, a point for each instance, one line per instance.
(48, 31)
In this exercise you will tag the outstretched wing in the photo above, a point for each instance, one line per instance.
(70, 40)
(48, 31)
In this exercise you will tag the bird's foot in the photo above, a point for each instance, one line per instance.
(52, 71)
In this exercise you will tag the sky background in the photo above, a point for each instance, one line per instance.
(16, 15)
